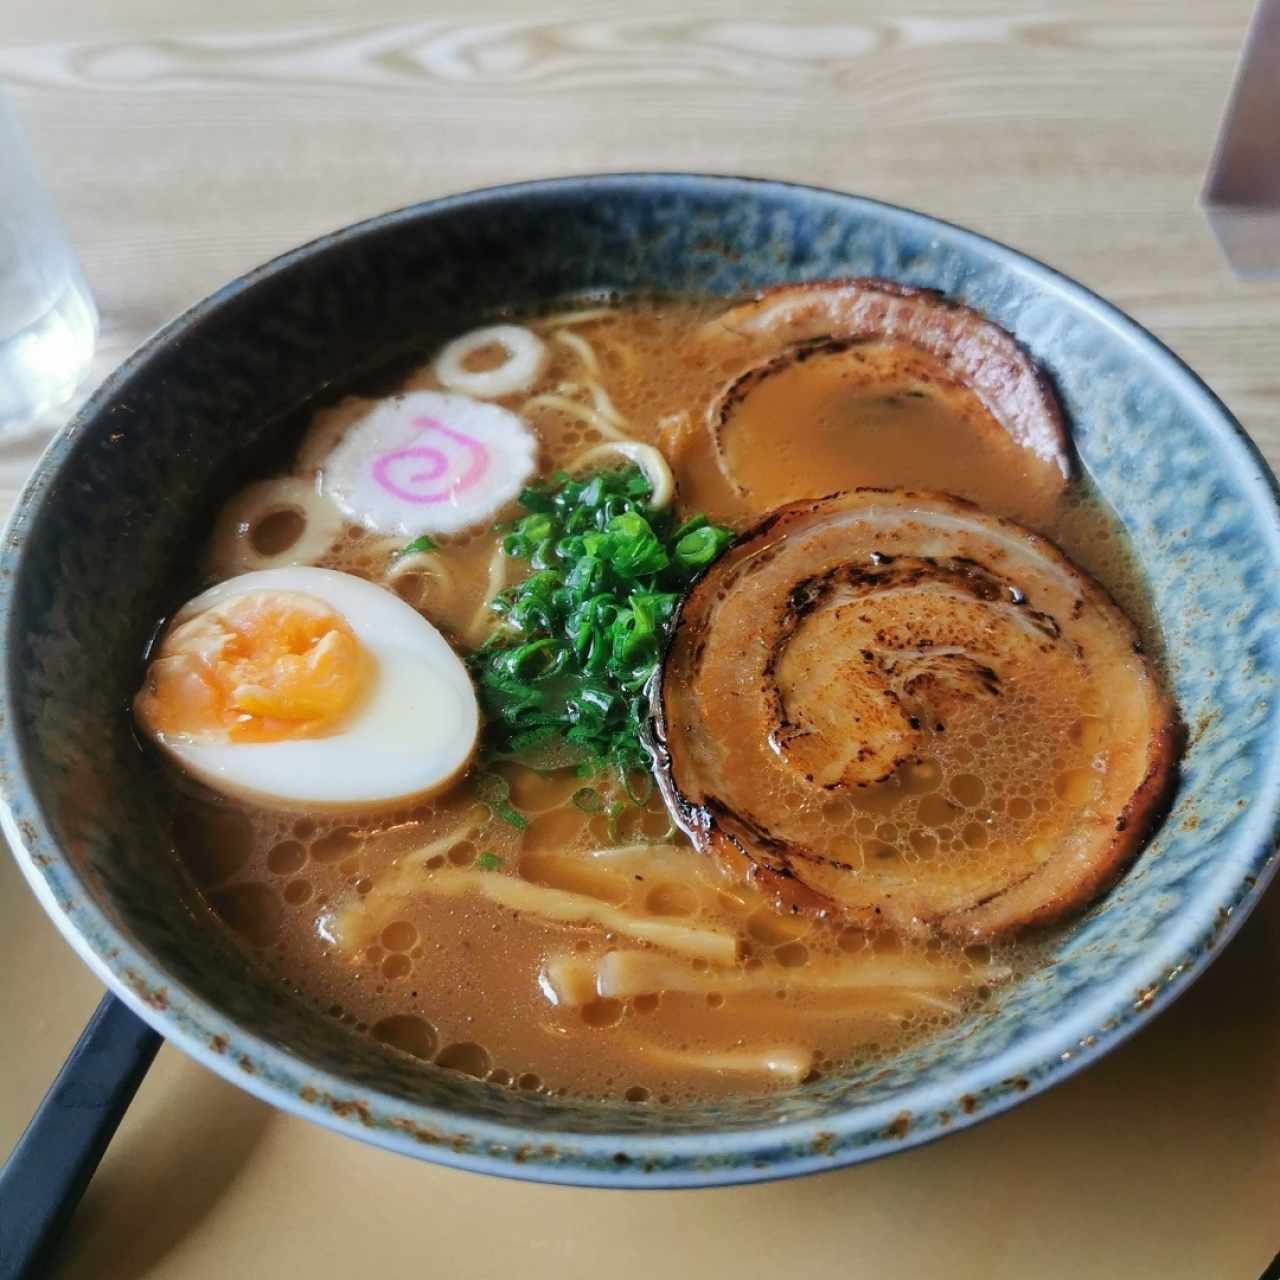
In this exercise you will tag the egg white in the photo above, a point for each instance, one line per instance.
(413, 732)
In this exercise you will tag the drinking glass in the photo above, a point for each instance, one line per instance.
(48, 322)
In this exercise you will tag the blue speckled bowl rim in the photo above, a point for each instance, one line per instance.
(630, 1159)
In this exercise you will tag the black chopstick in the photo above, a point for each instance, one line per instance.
(46, 1173)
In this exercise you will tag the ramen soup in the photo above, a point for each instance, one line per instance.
(663, 700)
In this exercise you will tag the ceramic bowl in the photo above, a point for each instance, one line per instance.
(117, 506)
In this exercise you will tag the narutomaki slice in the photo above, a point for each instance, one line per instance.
(891, 707)
(842, 383)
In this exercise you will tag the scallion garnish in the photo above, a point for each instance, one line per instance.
(612, 814)
(422, 543)
(583, 633)
(587, 799)
(494, 791)
(638, 786)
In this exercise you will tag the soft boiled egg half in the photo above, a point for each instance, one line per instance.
(308, 688)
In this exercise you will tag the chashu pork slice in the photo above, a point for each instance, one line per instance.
(890, 707)
(832, 383)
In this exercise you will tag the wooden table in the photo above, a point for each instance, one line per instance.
(186, 142)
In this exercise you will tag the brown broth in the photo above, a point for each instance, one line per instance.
(345, 912)
(871, 414)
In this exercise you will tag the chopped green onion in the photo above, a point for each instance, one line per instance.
(512, 817)
(639, 791)
(492, 788)
(422, 543)
(488, 861)
(583, 633)
(612, 814)
(699, 547)
(494, 791)
(587, 799)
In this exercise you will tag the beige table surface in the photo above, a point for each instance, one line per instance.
(187, 141)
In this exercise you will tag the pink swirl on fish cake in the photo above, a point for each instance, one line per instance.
(405, 473)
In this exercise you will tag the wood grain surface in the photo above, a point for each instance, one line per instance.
(186, 142)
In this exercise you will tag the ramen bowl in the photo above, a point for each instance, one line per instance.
(117, 507)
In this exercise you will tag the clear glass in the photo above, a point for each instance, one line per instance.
(48, 323)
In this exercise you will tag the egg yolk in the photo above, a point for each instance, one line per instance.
(261, 667)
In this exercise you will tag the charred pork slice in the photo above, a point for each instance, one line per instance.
(861, 382)
(891, 707)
